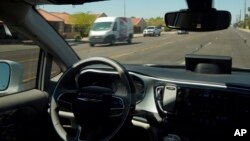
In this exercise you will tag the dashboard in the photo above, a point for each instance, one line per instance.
(192, 106)
(182, 105)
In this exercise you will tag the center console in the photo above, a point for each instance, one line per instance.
(201, 113)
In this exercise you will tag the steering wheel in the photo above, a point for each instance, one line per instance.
(99, 112)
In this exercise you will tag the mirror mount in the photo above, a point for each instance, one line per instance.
(199, 5)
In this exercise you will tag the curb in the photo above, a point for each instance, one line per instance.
(245, 30)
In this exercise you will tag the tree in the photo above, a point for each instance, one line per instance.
(82, 22)
(247, 19)
(158, 21)
(247, 22)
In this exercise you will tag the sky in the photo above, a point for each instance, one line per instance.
(145, 8)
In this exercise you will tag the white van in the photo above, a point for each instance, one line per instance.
(110, 30)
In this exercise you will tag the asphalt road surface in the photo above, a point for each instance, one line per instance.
(168, 49)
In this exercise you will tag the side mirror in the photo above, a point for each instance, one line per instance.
(11, 77)
(5, 76)
(198, 20)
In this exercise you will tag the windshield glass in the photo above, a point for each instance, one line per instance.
(150, 27)
(102, 26)
(129, 44)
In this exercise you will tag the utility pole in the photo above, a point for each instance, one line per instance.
(124, 4)
(240, 16)
(245, 12)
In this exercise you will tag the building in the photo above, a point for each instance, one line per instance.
(68, 29)
(139, 24)
(53, 20)
(61, 21)
(66, 18)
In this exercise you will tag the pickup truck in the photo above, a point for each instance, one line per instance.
(152, 31)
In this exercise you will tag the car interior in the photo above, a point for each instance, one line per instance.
(99, 98)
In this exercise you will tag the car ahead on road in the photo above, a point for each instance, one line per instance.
(111, 30)
(174, 88)
(152, 31)
(182, 32)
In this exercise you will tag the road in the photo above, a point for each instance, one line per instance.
(169, 49)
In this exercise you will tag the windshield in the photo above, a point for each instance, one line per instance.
(150, 27)
(129, 44)
(102, 26)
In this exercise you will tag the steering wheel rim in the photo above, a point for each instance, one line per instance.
(76, 69)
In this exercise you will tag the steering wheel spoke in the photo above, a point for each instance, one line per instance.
(66, 99)
(117, 107)
(78, 133)
(84, 134)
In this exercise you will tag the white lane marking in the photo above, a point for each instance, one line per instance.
(208, 44)
(183, 63)
(124, 54)
(197, 49)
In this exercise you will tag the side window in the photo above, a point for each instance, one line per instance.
(22, 56)
(115, 27)
(55, 70)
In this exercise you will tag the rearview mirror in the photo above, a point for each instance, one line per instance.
(198, 20)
